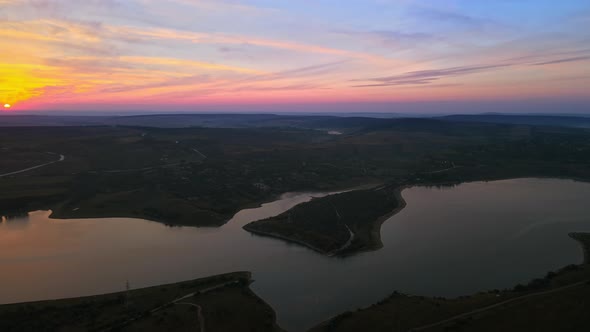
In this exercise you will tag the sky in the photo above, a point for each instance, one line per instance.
(295, 55)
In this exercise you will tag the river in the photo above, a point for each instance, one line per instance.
(447, 242)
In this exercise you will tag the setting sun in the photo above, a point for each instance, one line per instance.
(7, 106)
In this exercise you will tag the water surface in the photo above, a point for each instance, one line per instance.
(446, 242)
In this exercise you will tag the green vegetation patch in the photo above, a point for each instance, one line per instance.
(226, 302)
(334, 224)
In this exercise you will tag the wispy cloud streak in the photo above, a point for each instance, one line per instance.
(428, 76)
(196, 51)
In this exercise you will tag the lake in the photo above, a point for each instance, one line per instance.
(447, 242)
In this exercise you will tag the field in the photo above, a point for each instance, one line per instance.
(491, 153)
(336, 224)
(218, 303)
(202, 176)
(197, 177)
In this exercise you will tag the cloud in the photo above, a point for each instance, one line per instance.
(303, 71)
(225, 49)
(182, 64)
(393, 39)
(287, 80)
(453, 24)
(182, 81)
(145, 49)
(151, 34)
(564, 60)
(224, 5)
(431, 13)
(279, 88)
(423, 77)
(62, 36)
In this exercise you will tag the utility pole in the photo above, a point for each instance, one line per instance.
(127, 289)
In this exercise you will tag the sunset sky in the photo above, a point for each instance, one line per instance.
(364, 55)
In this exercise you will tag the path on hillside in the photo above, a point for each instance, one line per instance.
(61, 158)
(178, 301)
(200, 317)
(494, 306)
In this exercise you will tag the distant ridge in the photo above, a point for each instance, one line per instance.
(253, 120)
(534, 120)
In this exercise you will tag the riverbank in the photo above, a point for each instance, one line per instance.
(553, 303)
(323, 231)
(238, 248)
(183, 306)
(168, 180)
(376, 226)
(337, 224)
(544, 304)
(173, 211)
(584, 241)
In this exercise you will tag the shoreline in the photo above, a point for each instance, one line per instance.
(378, 223)
(221, 280)
(236, 274)
(286, 239)
(59, 213)
(376, 227)
(144, 308)
(400, 189)
(583, 240)
(343, 250)
(579, 271)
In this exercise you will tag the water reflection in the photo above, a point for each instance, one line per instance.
(15, 221)
(446, 242)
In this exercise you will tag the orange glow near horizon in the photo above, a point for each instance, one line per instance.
(84, 58)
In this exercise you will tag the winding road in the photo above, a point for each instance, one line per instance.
(179, 301)
(494, 306)
(61, 158)
(346, 245)
(199, 314)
